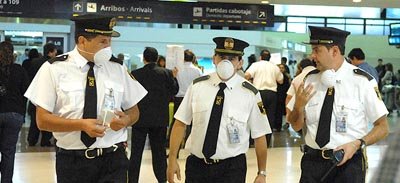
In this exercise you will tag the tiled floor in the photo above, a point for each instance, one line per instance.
(36, 164)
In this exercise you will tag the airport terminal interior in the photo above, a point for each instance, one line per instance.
(374, 27)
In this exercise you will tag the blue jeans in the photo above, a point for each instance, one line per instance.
(10, 125)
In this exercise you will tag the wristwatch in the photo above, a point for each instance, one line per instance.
(363, 144)
(262, 172)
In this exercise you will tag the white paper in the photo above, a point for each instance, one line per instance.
(174, 57)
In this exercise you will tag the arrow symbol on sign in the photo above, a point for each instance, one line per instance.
(262, 14)
(78, 6)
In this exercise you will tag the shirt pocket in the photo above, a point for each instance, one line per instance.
(313, 111)
(238, 118)
(200, 110)
(117, 92)
(350, 109)
(73, 95)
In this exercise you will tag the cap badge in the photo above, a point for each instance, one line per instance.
(229, 43)
(113, 22)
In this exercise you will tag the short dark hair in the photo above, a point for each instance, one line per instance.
(306, 62)
(150, 54)
(49, 47)
(265, 55)
(189, 56)
(356, 53)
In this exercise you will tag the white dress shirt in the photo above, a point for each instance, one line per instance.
(241, 108)
(265, 75)
(60, 89)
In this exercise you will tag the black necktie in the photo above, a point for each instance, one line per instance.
(90, 108)
(210, 141)
(324, 125)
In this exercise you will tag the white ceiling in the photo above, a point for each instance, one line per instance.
(364, 3)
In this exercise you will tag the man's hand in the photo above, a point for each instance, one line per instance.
(119, 122)
(349, 150)
(260, 179)
(172, 169)
(303, 95)
(93, 128)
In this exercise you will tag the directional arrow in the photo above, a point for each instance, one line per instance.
(261, 14)
(78, 7)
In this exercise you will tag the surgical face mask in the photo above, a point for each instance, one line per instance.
(101, 55)
(225, 69)
(328, 77)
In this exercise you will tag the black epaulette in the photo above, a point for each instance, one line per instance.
(315, 71)
(115, 59)
(250, 87)
(363, 73)
(202, 78)
(58, 58)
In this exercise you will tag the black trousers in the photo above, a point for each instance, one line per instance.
(313, 168)
(33, 134)
(231, 170)
(110, 168)
(157, 142)
(269, 99)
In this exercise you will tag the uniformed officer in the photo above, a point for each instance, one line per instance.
(224, 109)
(335, 104)
(79, 97)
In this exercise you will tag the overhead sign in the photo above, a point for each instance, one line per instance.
(188, 13)
(225, 14)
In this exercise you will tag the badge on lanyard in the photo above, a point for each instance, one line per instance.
(233, 131)
(341, 120)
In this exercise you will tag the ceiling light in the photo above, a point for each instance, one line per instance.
(357, 1)
(264, 2)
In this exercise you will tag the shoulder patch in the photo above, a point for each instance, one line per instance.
(363, 73)
(315, 71)
(115, 59)
(250, 87)
(58, 58)
(202, 78)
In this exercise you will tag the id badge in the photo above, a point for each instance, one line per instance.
(341, 121)
(233, 132)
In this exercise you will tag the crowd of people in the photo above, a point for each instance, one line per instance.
(87, 99)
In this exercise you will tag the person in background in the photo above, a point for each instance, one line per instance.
(357, 57)
(13, 83)
(50, 51)
(250, 60)
(335, 104)
(305, 66)
(121, 57)
(87, 99)
(266, 77)
(154, 115)
(388, 88)
(20, 58)
(185, 79)
(161, 61)
(281, 96)
(27, 64)
(380, 68)
(284, 62)
(224, 109)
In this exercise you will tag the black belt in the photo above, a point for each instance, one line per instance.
(215, 161)
(91, 153)
(321, 153)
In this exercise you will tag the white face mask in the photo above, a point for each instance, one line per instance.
(101, 55)
(328, 77)
(225, 70)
